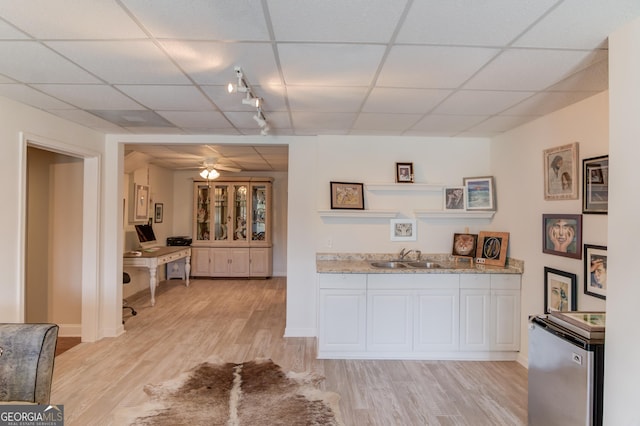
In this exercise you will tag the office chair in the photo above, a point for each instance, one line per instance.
(27, 352)
(126, 279)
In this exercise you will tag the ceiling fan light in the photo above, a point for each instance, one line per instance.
(209, 174)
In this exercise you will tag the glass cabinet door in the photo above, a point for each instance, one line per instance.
(220, 212)
(259, 217)
(203, 224)
(240, 210)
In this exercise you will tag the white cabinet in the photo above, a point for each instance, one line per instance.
(342, 313)
(229, 218)
(389, 320)
(437, 319)
(505, 312)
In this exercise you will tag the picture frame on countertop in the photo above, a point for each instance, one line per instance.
(595, 185)
(159, 212)
(562, 235)
(464, 245)
(454, 198)
(404, 172)
(560, 291)
(480, 193)
(347, 195)
(595, 271)
(492, 248)
(404, 230)
(561, 172)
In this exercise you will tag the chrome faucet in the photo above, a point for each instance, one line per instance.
(404, 253)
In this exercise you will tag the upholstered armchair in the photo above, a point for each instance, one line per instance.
(27, 352)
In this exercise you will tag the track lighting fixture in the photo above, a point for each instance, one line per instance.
(250, 99)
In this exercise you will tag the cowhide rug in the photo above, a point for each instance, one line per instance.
(252, 393)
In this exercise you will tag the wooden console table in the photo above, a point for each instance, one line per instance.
(156, 256)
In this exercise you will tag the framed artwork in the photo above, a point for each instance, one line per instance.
(561, 172)
(404, 230)
(141, 200)
(464, 245)
(345, 195)
(492, 248)
(560, 290)
(404, 172)
(480, 193)
(562, 235)
(595, 271)
(159, 212)
(595, 185)
(454, 198)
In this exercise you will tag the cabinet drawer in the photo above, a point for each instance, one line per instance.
(478, 281)
(343, 281)
(412, 281)
(505, 281)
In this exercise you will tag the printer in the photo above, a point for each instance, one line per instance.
(179, 241)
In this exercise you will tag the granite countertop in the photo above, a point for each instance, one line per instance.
(360, 263)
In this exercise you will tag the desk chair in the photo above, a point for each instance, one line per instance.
(27, 352)
(126, 279)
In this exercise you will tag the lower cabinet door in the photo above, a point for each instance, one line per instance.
(475, 308)
(342, 321)
(260, 262)
(238, 262)
(437, 320)
(200, 262)
(505, 320)
(389, 321)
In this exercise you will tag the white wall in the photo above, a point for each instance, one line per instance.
(517, 163)
(622, 350)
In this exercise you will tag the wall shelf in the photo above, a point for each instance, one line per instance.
(373, 214)
(430, 187)
(448, 214)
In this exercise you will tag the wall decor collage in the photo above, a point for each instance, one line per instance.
(562, 233)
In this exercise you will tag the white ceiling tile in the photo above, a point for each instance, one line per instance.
(547, 102)
(143, 130)
(316, 64)
(379, 121)
(31, 62)
(89, 120)
(80, 19)
(479, 23)
(593, 78)
(526, 69)
(201, 19)
(335, 20)
(404, 100)
(89, 96)
(431, 67)
(197, 119)
(480, 102)
(580, 24)
(500, 123)
(7, 32)
(176, 98)
(446, 124)
(123, 62)
(326, 120)
(326, 99)
(29, 96)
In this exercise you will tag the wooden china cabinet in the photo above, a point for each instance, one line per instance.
(232, 228)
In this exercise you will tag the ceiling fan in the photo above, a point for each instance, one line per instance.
(210, 168)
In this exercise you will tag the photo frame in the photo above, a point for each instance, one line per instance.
(492, 248)
(480, 193)
(159, 213)
(560, 291)
(404, 172)
(454, 198)
(561, 172)
(464, 245)
(595, 185)
(141, 203)
(562, 235)
(347, 195)
(595, 271)
(404, 230)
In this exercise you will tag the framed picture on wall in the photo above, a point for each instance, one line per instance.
(562, 235)
(561, 172)
(595, 271)
(404, 230)
(404, 172)
(595, 185)
(141, 203)
(159, 213)
(347, 195)
(480, 193)
(559, 291)
(454, 199)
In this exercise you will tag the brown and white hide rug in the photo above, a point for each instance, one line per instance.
(252, 393)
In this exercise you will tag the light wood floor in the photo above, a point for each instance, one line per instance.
(238, 320)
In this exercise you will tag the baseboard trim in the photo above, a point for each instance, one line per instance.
(70, 330)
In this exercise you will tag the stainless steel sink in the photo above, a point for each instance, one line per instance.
(388, 265)
(426, 265)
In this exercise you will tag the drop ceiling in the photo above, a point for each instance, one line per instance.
(339, 67)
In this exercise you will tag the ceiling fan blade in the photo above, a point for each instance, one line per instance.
(227, 168)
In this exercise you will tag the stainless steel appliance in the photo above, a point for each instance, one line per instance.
(566, 371)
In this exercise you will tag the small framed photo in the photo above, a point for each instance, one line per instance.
(595, 271)
(454, 198)
(464, 245)
(480, 193)
(562, 235)
(159, 212)
(404, 172)
(595, 185)
(560, 290)
(404, 230)
(561, 172)
(492, 248)
(346, 195)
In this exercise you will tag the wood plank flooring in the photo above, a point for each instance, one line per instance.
(238, 320)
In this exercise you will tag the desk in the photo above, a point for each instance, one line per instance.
(152, 258)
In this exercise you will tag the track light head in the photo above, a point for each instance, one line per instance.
(260, 119)
(250, 100)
